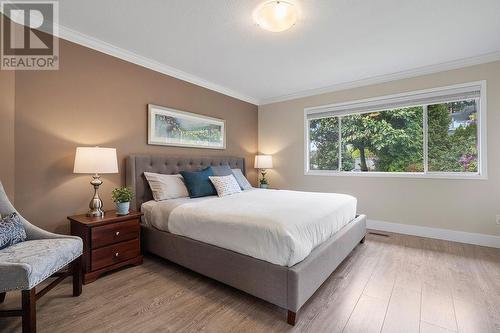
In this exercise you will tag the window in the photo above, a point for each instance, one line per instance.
(434, 133)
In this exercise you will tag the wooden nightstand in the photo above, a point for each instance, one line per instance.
(108, 243)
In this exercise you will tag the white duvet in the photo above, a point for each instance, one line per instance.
(281, 227)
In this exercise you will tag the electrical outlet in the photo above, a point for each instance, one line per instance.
(498, 219)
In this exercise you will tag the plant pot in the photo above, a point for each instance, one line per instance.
(122, 208)
(264, 185)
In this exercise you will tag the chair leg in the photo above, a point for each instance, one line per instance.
(2, 297)
(29, 310)
(76, 266)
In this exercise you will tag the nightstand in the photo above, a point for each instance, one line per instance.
(109, 242)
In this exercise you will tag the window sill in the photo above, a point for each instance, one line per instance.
(450, 175)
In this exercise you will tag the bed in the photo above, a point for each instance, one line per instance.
(286, 281)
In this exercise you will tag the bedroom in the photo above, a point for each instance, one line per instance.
(379, 126)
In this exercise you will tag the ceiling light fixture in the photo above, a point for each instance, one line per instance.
(276, 15)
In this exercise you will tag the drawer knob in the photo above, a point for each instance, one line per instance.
(117, 233)
(116, 255)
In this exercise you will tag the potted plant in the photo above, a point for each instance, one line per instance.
(122, 196)
(263, 180)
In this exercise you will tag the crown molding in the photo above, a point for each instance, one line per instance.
(466, 62)
(115, 51)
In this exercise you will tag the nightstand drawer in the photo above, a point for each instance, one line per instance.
(113, 254)
(114, 233)
(109, 242)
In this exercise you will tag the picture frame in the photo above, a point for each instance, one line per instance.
(171, 127)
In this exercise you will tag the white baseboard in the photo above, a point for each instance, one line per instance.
(437, 233)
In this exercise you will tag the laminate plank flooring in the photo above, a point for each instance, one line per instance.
(389, 284)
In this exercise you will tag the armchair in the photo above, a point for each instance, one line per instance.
(25, 265)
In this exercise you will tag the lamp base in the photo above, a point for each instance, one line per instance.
(95, 204)
(95, 213)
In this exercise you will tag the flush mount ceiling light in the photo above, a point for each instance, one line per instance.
(276, 16)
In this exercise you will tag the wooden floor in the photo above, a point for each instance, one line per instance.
(398, 284)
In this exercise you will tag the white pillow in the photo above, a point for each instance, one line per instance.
(241, 179)
(225, 185)
(166, 187)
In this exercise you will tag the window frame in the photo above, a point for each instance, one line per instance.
(342, 109)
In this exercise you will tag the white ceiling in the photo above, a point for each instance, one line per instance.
(335, 44)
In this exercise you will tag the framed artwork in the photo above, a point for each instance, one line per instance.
(170, 127)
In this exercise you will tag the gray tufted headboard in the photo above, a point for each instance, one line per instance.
(138, 164)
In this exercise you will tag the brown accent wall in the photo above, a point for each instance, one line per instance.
(7, 95)
(96, 99)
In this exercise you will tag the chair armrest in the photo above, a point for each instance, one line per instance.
(33, 232)
(13, 276)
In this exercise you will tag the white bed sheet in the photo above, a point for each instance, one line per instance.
(281, 227)
(157, 213)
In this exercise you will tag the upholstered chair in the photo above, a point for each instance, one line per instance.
(25, 265)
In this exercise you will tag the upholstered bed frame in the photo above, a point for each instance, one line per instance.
(287, 287)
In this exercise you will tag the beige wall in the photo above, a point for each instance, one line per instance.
(465, 205)
(95, 99)
(7, 82)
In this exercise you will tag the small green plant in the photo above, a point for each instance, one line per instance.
(122, 194)
(263, 180)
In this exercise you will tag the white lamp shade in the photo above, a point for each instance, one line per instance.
(263, 162)
(95, 160)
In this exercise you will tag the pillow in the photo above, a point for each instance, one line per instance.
(166, 187)
(241, 179)
(198, 184)
(222, 170)
(225, 185)
(11, 231)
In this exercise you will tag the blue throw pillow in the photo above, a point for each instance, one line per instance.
(198, 183)
(222, 170)
(11, 231)
(241, 179)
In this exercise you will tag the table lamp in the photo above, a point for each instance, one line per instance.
(95, 161)
(263, 162)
